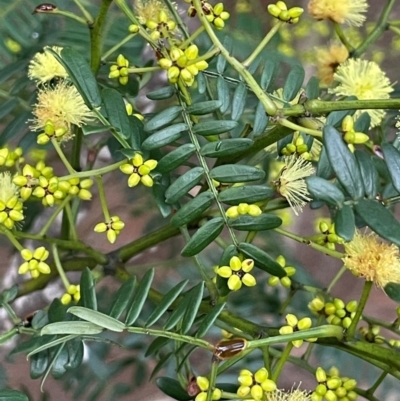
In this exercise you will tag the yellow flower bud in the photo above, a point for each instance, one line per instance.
(286, 282)
(360, 137)
(348, 124)
(151, 164)
(254, 210)
(282, 5)
(175, 53)
(304, 323)
(182, 61)
(273, 281)
(216, 394)
(43, 268)
(133, 28)
(112, 75)
(284, 15)
(84, 194)
(268, 385)
(41, 253)
(111, 236)
(147, 181)
(234, 283)
(203, 383)
(162, 16)
(235, 263)
(117, 225)
(192, 52)
(123, 80)
(66, 299)
(349, 137)
(281, 260)
(219, 23)
(351, 306)
(232, 212)
(224, 15)
(42, 139)
(249, 280)
(295, 12)
(164, 63)
(186, 75)
(173, 73)
(274, 10)
(286, 330)
(151, 24)
(320, 375)
(201, 65)
(100, 228)
(16, 215)
(133, 180)
(350, 384)
(243, 391)
(291, 319)
(243, 208)
(245, 380)
(330, 396)
(224, 271)
(316, 397)
(256, 392)
(218, 8)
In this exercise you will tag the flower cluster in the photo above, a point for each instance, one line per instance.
(11, 208)
(297, 147)
(35, 262)
(112, 227)
(369, 257)
(9, 158)
(294, 324)
(139, 170)
(182, 64)
(243, 208)
(120, 70)
(162, 26)
(282, 13)
(238, 273)
(285, 280)
(203, 383)
(327, 235)
(332, 387)
(291, 184)
(350, 136)
(255, 385)
(336, 312)
(371, 334)
(214, 14)
(73, 293)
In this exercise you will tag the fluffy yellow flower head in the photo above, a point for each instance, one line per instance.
(369, 257)
(365, 80)
(44, 66)
(7, 188)
(294, 395)
(62, 105)
(340, 11)
(328, 60)
(146, 10)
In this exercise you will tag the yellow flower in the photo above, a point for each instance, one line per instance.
(73, 293)
(340, 11)
(237, 273)
(139, 170)
(328, 60)
(112, 228)
(291, 184)
(61, 107)
(44, 66)
(365, 80)
(294, 395)
(369, 257)
(203, 384)
(35, 262)
(11, 209)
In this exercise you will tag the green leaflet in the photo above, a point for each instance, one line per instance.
(223, 94)
(258, 223)
(192, 307)
(88, 290)
(202, 108)
(293, 83)
(163, 118)
(193, 209)
(175, 158)
(116, 113)
(13, 395)
(231, 173)
(246, 193)
(183, 184)
(79, 328)
(345, 225)
(226, 147)
(260, 120)
(368, 173)
(312, 88)
(262, 260)
(343, 163)
(207, 128)
(379, 219)
(393, 291)
(239, 101)
(321, 189)
(392, 159)
(162, 93)
(203, 237)
(268, 74)
(164, 137)
(122, 298)
(209, 320)
(172, 388)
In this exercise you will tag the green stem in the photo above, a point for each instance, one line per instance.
(394, 29)
(380, 27)
(85, 12)
(72, 230)
(68, 14)
(363, 300)
(342, 37)
(10, 236)
(295, 127)
(61, 155)
(263, 43)
(60, 270)
(8, 335)
(50, 221)
(336, 278)
(103, 200)
(96, 36)
(282, 360)
(135, 70)
(117, 46)
(192, 37)
(388, 326)
(212, 380)
(313, 245)
(381, 378)
(268, 104)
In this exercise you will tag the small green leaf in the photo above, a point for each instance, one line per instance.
(226, 147)
(175, 158)
(202, 108)
(193, 209)
(79, 328)
(392, 159)
(312, 88)
(39, 363)
(324, 168)
(116, 112)
(223, 94)
(368, 173)
(392, 290)
(192, 307)
(88, 290)
(75, 353)
(95, 129)
(268, 74)
(345, 225)
(231, 173)
(363, 122)
(206, 128)
(122, 298)
(321, 189)
(177, 314)
(168, 386)
(379, 219)
(221, 60)
(183, 184)
(201, 83)
(98, 318)
(13, 395)
(163, 118)
(262, 260)
(165, 303)
(162, 93)
(52, 343)
(343, 163)
(81, 75)
(203, 236)
(246, 193)
(239, 101)
(158, 190)
(293, 82)
(10, 294)
(335, 118)
(140, 297)
(57, 311)
(255, 223)
(209, 320)
(59, 362)
(156, 345)
(164, 137)
(260, 120)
